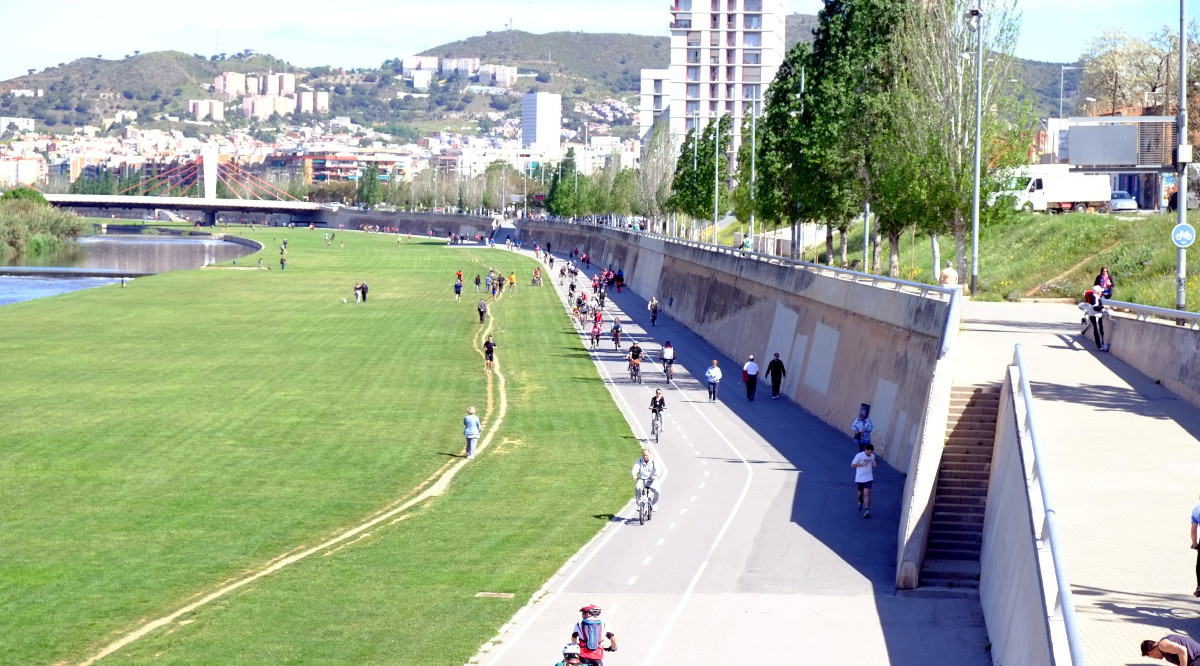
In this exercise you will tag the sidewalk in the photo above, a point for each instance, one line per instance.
(1124, 460)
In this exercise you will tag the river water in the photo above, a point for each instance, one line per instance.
(117, 254)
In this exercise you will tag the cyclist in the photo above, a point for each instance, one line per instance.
(596, 333)
(653, 308)
(589, 634)
(570, 655)
(635, 355)
(667, 356)
(645, 471)
(616, 332)
(657, 404)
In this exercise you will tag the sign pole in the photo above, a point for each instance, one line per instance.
(1183, 157)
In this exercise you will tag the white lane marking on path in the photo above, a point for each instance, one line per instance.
(705, 472)
(683, 511)
(693, 499)
(652, 655)
(704, 462)
(661, 541)
(632, 580)
(702, 484)
(671, 526)
(647, 560)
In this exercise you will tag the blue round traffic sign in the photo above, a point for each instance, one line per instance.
(1183, 235)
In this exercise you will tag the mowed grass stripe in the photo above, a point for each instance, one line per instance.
(172, 435)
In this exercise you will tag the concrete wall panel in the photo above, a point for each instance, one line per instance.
(843, 342)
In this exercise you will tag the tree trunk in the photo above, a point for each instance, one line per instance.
(828, 244)
(960, 247)
(842, 247)
(937, 254)
(893, 252)
(877, 247)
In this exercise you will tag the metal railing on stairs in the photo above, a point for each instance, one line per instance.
(1047, 532)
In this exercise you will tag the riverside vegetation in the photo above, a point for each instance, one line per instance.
(31, 226)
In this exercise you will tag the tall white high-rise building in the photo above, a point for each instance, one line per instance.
(724, 54)
(541, 120)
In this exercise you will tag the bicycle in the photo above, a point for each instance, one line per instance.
(656, 420)
(669, 370)
(642, 495)
(616, 337)
(595, 339)
(635, 371)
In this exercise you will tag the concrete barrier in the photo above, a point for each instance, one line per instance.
(844, 341)
(1157, 348)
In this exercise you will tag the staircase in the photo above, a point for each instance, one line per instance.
(956, 530)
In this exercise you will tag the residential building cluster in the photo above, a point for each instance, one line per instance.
(21, 124)
(420, 71)
(260, 95)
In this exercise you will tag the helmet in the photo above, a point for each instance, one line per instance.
(571, 650)
(593, 611)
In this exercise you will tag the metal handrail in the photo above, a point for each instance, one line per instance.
(1064, 603)
(1145, 312)
(882, 281)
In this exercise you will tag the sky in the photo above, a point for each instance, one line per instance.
(364, 33)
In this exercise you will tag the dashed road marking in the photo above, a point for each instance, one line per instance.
(647, 560)
(661, 541)
(671, 526)
(632, 580)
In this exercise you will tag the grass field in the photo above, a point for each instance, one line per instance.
(1054, 256)
(166, 439)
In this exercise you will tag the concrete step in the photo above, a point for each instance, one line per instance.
(951, 569)
(952, 483)
(967, 457)
(953, 551)
(955, 537)
(936, 589)
(955, 501)
(966, 467)
(957, 519)
(973, 442)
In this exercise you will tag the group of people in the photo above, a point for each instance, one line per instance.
(775, 372)
(1094, 309)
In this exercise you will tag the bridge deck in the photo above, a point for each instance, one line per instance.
(1124, 455)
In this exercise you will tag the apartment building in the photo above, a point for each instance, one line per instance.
(541, 120)
(724, 54)
(230, 85)
(202, 109)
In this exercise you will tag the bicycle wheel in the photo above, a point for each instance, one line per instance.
(642, 510)
(657, 428)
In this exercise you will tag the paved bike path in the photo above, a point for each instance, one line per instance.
(756, 549)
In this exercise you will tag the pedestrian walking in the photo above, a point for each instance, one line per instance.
(713, 375)
(457, 289)
(1174, 648)
(477, 283)
(776, 372)
(471, 430)
(862, 426)
(358, 292)
(949, 276)
(1196, 545)
(283, 263)
(482, 310)
(489, 354)
(864, 477)
(364, 291)
(1095, 313)
(750, 376)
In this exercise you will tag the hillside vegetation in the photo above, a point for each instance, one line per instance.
(587, 66)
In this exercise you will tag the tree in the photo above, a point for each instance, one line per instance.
(654, 175)
(701, 184)
(368, 194)
(780, 147)
(940, 111)
(24, 194)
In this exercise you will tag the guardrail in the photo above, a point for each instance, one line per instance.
(1145, 312)
(926, 290)
(1046, 530)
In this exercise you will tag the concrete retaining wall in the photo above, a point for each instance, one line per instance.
(1011, 590)
(843, 342)
(1160, 350)
(417, 224)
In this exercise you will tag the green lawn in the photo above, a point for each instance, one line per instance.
(1055, 256)
(166, 438)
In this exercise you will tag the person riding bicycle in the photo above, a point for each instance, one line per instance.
(658, 403)
(667, 355)
(645, 471)
(635, 354)
(616, 331)
(596, 333)
(570, 655)
(589, 635)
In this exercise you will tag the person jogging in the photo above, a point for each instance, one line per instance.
(864, 477)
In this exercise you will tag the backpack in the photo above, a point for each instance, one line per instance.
(592, 629)
(1089, 297)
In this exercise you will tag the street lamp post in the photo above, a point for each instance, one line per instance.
(1061, 78)
(1183, 157)
(975, 19)
(753, 150)
(716, 175)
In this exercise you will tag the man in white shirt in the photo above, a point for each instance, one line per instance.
(750, 373)
(949, 276)
(864, 476)
(713, 375)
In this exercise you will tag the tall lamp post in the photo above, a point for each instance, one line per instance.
(716, 175)
(975, 21)
(1183, 157)
(1061, 78)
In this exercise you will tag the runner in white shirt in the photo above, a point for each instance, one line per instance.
(864, 476)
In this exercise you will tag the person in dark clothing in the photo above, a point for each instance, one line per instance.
(776, 373)
(364, 292)
(1173, 648)
(482, 310)
(1104, 282)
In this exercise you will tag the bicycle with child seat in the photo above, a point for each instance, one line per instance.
(656, 420)
(645, 508)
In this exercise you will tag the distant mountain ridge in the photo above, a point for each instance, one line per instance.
(587, 66)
